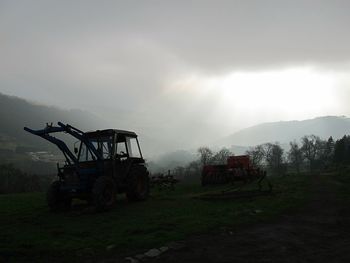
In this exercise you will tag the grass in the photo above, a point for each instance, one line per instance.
(342, 176)
(28, 229)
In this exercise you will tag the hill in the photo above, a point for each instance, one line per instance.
(15, 113)
(286, 131)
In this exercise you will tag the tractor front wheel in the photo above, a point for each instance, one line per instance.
(103, 193)
(137, 184)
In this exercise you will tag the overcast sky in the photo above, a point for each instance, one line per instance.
(189, 71)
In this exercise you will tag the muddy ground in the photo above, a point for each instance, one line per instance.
(319, 232)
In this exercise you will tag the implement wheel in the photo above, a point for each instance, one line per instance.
(103, 193)
(137, 184)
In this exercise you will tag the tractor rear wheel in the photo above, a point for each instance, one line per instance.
(103, 193)
(137, 184)
(56, 199)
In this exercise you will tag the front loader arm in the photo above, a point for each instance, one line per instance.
(80, 136)
(45, 133)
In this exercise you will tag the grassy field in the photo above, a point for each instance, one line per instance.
(29, 230)
(343, 179)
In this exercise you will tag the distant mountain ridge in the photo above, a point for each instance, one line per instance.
(286, 131)
(15, 113)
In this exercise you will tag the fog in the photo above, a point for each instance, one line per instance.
(182, 72)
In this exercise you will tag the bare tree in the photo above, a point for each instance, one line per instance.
(310, 149)
(193, 169)
(329, 151)
(274, 158)
(221, 156)
(256, 155)
(205, 155)
(269, 154)
(295, 156)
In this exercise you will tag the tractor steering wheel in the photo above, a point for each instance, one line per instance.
(121, 154)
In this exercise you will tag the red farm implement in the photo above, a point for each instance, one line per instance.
(238, 172)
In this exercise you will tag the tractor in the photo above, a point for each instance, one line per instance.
(237, 169)
(102, 164)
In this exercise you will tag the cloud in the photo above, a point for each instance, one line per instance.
(209, 35)
(132, 62)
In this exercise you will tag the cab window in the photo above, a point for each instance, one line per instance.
(127, 146)
(133, 147)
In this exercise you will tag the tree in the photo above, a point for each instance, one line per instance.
(274, 158)
(269, 154)
(13, 180)
(193, 170)
(311, 149)
(342, 150)
(221, 156)
(329, 150)
(295, 156)
(256, 155)
(205, 155)
(323, 154)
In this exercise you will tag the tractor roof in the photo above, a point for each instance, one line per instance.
(108, 132)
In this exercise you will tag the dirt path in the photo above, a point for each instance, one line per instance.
(320, 232)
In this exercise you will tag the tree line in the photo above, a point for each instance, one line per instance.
(13, 180)
(310, 154)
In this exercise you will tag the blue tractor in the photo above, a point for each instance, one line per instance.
(102, 164)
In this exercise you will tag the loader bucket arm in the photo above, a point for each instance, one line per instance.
(81, 136)
(45, 133)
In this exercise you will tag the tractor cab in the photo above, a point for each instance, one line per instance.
(110, 145)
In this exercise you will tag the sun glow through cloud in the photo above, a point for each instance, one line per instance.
(294, 93)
